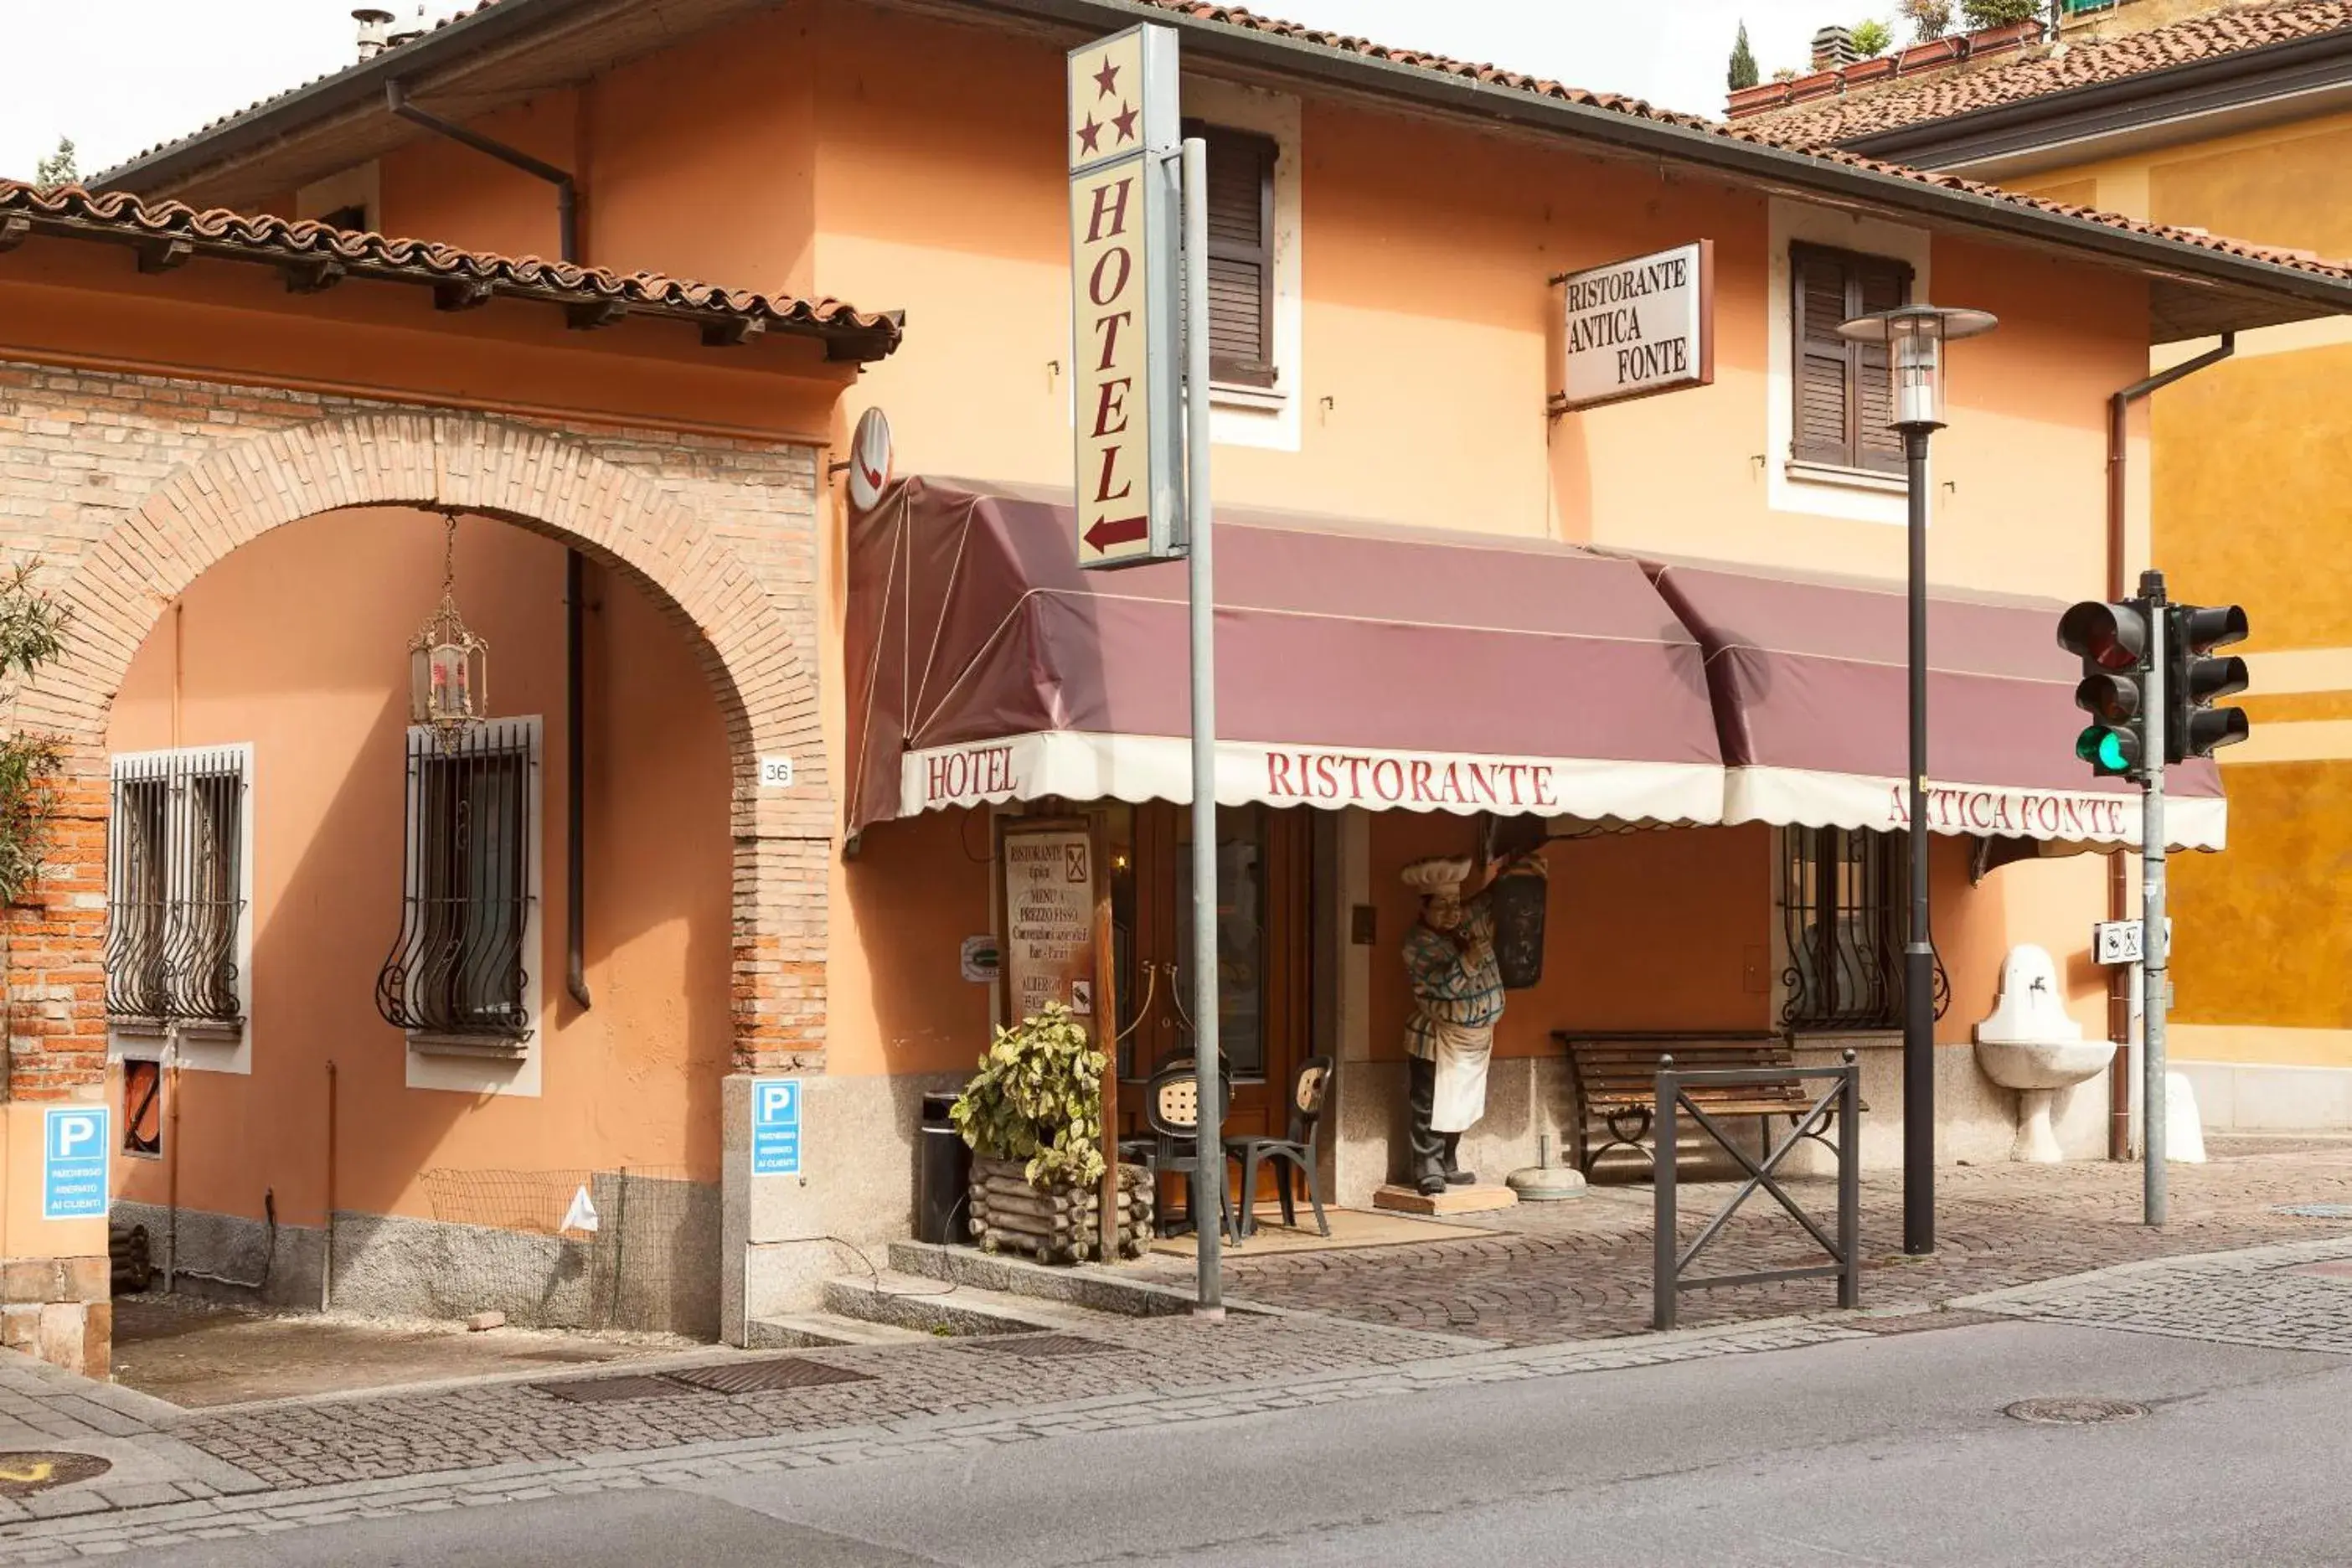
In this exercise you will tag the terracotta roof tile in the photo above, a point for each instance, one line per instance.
(1945, 91)
(1758, 131)
(119, 216)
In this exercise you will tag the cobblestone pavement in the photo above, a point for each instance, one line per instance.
(1580, 1269)
(1563, 1290)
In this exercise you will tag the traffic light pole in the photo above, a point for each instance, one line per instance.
(2155, 961)
(1919, 948)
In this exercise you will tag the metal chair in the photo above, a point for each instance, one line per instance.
(1309, 1092)
(1171, 1108)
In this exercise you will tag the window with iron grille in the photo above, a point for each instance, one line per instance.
(1241, 254)
(1843, 893)
(1844, 394)
(460, 966)
(176, 889)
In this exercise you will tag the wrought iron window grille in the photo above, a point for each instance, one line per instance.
(176, 889)
(458, 968)
(1842, 897)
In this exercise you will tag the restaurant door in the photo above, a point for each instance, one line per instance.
(1265, 924)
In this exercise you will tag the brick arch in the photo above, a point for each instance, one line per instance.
(122, 582)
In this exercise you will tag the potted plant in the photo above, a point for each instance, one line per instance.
(1032, 1116)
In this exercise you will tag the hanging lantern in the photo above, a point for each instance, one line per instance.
(448, 665)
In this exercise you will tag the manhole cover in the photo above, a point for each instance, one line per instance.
(38, 1471)
(1040, 1345)
(2314, 1210)
(603, 1390)
(758, 1376)
(2075, 1412)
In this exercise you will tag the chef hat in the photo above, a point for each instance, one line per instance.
(1438, 874)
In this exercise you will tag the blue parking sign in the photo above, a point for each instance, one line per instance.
(74, 1155)
(776, 1126)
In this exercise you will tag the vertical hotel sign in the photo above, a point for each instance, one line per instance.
(1125, 131)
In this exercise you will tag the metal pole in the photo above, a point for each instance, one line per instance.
(1209, 1221)
(1665, 1258)
(1850, 1183)
(1918, 950)
(2154, 963)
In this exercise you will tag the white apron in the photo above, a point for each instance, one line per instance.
(1461, 1055)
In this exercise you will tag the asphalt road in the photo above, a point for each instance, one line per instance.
(1891, 1450)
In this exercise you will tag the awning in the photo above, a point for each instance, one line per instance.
(1388, 669)
(1810, 684)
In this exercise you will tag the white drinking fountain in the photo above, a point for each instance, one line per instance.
(2030, 1043)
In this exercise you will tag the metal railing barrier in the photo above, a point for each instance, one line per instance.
(1842, 1102)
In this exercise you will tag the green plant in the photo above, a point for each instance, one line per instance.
(1743, 62)
(1982, 13)
(1928, 19)
(32, 633)
(1037, 1098)
(1872, 38)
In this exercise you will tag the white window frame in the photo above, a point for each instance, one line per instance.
(1264, 416)
(1855, 495)
(436, 1062)
(199, 1045)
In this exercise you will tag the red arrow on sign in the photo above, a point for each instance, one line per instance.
(1113, 531)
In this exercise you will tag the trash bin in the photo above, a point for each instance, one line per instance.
(942, 1176)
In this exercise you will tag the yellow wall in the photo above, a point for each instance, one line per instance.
(297, 645)
(2251, 495)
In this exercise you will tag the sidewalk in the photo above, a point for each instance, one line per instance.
(2017, 1241)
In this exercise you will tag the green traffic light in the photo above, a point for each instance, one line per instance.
(2102, 748)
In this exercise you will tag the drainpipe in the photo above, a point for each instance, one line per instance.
(2120, 979)
(567, 191)
(567, 213)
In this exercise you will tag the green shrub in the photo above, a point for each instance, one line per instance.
(1037, 1098)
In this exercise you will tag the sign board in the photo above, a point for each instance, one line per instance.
(775, 773)
(981, 959)
(74, 1153)
(2120, 942)
(1049, 916)
(1125, 131)
(869, 460)
(775, 1127)
(1639, 327)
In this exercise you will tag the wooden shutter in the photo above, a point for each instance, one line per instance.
(1843, 397)
(1241, 255)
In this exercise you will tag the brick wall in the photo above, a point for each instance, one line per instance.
(127, 486)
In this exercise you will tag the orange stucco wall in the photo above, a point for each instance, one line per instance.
(296, 644)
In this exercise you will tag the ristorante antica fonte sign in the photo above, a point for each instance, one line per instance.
(2016, 813)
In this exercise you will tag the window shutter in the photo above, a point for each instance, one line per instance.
(1823, 424)
(1241, 255)
(1878, 285)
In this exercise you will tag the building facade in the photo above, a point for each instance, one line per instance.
(2231, 119)
(1665, 631)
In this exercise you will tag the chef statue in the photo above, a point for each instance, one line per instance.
(1457, 999)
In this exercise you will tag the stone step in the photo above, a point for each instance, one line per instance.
(817, 1331)
(949, 1306)
(1090, 1287)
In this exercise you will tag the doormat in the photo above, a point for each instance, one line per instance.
(765, 1376)
(1038, 1346)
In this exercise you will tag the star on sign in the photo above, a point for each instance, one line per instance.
(1107, 78)
(1125, 120)
(1090, 133)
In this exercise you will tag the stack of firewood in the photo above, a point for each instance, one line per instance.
(1054, 1224)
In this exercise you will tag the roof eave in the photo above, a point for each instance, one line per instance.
(2224, 81)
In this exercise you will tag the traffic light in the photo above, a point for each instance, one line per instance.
(2193, 727)
(2112, 641)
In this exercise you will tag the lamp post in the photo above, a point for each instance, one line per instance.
(1914, 336)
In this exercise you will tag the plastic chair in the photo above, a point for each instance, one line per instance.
(1171, 1108)
(1309, 1092)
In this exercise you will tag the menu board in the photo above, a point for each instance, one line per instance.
(1048, 953)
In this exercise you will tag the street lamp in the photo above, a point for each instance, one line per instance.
(1914, 336)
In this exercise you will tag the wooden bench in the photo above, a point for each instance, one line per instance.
(1613, 1083)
